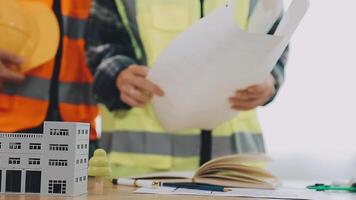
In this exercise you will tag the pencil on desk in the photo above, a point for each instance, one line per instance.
(156, 184)
(196, 186)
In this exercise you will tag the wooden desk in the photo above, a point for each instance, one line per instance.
(113, 192)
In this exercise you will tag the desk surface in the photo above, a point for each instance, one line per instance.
(110, 192)
(113, 192)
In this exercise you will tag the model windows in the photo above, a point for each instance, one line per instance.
(80, 179)
(14, 161)
(53, 131)
(64, 132)
(82, 146)
(54, 162)
(57, 187)
(83, 132)
(35, 146)
(13, 181)
(58, 147)
(81, 161)
(60, 132)
(34, 161)
(33, 182)
(14, 145)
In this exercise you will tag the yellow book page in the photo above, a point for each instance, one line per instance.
(235, 183)
(242, 159)
(235, 170)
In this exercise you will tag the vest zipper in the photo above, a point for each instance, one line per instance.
(202, 8)
(53, 109)
(206, 137)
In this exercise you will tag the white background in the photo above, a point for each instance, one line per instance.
(311, 127)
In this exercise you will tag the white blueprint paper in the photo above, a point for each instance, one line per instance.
(265, 15)
(282, 193)
(207, 63)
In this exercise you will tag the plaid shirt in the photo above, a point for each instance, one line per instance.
(109, 51)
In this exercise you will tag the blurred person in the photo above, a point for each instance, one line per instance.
(124, 38)
(9, 66)
(59, 89)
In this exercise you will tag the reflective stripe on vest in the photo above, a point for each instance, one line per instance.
(135, 137)
(125, 20)
(171, 144)
(77, 93)
(25, 105)
(73, 28)
(33, 87)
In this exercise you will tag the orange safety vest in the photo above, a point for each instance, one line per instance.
(25, 106)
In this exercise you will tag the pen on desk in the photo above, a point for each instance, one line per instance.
(136, 183)
(157, 184)
(196, 186)
(323, 187)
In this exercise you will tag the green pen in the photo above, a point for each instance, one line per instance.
(323, 187)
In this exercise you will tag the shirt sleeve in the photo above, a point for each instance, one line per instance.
(278, 70)
(108, 52)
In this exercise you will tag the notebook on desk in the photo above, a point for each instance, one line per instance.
(230, 171)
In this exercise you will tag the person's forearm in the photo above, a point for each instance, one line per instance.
(108, 52)
(104, 86)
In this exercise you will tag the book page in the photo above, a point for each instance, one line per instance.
(237, 183)
(240, 159)
(235, 170)
(238, 175)
(232, 171)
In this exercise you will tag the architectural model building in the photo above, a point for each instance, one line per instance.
(52, 163)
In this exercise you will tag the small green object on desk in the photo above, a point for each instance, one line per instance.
(323, 187)
(99, 165)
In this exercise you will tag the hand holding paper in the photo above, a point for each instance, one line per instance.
(253, 96)
(205, 65)
(135, 89)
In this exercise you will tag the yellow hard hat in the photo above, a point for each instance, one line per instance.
(30, 30)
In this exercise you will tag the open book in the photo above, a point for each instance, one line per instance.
(230, 171)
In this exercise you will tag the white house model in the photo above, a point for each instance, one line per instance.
(52, 163)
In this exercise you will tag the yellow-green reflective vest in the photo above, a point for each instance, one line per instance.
(136, 141)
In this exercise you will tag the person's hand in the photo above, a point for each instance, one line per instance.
(136, 90)
(254, 96)
(9, 67)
